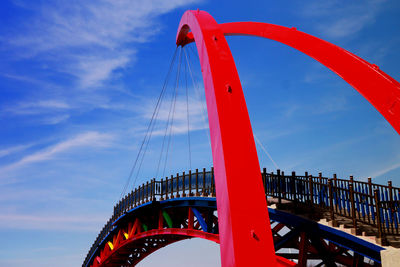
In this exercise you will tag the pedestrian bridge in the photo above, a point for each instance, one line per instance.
(360, 218)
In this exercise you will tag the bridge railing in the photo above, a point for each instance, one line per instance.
(362, 202)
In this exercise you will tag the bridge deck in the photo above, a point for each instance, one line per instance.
(368, 209)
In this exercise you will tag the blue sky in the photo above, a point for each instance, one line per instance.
(79, 80)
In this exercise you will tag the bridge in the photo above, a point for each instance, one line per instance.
(161, 212)
(310, 219)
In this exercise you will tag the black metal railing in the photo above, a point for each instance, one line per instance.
(362, 202)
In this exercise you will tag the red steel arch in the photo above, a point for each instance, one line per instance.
(121, 246)
(245, 233)
(381, 90)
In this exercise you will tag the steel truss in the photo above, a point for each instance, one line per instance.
(154, 225)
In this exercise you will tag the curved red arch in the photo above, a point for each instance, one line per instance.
(381, 90)
(244, 239)
(109, 256)
(244, 226)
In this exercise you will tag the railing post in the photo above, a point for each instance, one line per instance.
(161, 191)
(147, 191)
(264, 179)
(204, 183)
(197, 183)
(370, 187)
(319, 188)
(331, 208)
(183, 184)
(272, 184)
(143, 194)
(370, 197)
(305, 183)
(172, 186)
(293, 186)
(129, 200)
(353, 207)
(127, 203)
(153, 189)
(177, 185)
(311, 193)
(380, 238)
(278, 173)
(390, 206)
(190, 183)
(134, 198)
(166, 187)
(122, 205)
(140, 195)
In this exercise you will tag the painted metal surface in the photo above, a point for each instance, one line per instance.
(115, 250)
(129, 234)
(346, 240)
(381, 90)
(231, 134)
(245, 233)
(154, 225)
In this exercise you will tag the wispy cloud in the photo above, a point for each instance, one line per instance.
(386, 169)
(88, 139)
(89, 40)
(337, 20)
(55, 119)
(37, 107)
(14, 149)
(52, 222)
(326, 104)
(197, 118)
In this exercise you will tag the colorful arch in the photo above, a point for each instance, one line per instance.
(245, 233)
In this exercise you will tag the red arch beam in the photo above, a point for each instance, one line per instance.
(244, 226)
(245, 234)
(381, 90)
(120, 245)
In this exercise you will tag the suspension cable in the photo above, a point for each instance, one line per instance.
(166, 129)
(199, 95)
(265, 150)
(187, 112)
(150, 124)
(169, 144)
(255, 137)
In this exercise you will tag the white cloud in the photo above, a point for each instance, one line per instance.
(90, 39)
(88, 139)
(14, 149)
(95, 70)
(52, 222)
(55, 119)
(386, 169)
(37, 107)
(197, 118)
(337, 20)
